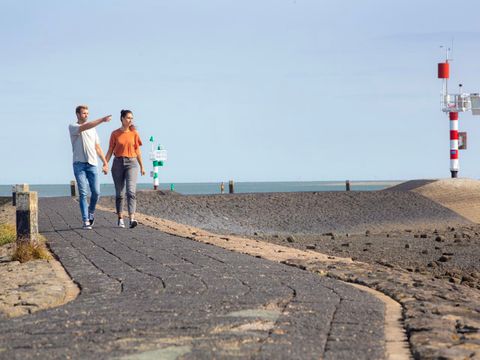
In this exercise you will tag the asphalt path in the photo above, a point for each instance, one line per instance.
(146, 294)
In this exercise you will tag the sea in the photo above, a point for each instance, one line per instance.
(51, 190)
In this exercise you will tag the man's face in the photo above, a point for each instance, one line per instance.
(82, 116)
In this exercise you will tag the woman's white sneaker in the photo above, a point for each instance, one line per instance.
(121, 223)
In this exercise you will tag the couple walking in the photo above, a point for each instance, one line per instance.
(124, 145)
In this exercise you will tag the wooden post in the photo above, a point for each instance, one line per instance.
(27, 217)
(73, 188)
(230, 187)
(347, 185)
(18, 188)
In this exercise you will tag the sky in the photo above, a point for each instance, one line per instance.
(250, 90)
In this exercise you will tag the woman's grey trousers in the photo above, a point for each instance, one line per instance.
(125, 172)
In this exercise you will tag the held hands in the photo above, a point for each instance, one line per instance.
(105, 169)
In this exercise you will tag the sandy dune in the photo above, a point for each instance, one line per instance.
(459, 195)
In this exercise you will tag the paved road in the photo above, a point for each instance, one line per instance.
(147, 294)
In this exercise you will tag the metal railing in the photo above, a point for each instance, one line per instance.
(456, 102)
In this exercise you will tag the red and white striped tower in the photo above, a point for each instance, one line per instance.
(453, 143)
(454, 104)
(444, 73)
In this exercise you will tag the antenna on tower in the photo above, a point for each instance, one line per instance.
(448, 51)
(451, 48)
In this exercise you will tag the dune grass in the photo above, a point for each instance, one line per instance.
(7, 234)
(26, 252)
(23, 252)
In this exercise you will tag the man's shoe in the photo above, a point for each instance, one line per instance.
(91, 218)
(87, 225)
(121, 223)
(133, 223)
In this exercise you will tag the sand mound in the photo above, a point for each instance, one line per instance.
(459, 195)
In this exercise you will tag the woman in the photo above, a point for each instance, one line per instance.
(125, 145)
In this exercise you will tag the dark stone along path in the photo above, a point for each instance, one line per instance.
(146, 294)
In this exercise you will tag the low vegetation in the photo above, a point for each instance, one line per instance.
(26, 252)
(7, 234)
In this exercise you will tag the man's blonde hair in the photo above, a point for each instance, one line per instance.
(80, 108)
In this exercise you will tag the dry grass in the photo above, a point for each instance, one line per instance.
(24, 252)
(7, 234)
(27, 252)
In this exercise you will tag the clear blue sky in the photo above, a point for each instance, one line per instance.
(251, 90)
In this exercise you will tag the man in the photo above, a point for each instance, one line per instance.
(86, 147)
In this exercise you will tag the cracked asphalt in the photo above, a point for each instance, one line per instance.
(146, 294)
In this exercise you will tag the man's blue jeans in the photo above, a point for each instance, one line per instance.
(87, 176)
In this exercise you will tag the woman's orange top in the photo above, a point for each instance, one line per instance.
(125, 144)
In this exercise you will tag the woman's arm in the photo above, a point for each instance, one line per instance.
(140, 162)
(110, 148)
(109, 154)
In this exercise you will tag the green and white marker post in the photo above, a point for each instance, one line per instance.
(158, 157)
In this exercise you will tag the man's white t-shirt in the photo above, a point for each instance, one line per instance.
(83, 144)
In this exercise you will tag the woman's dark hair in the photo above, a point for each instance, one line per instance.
(124, 113)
